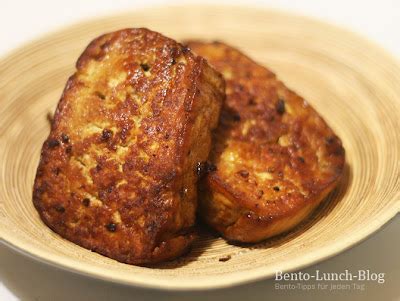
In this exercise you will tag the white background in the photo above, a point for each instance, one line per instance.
(22, 278)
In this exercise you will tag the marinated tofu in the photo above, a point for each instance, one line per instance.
(274, 158)
(117, 174)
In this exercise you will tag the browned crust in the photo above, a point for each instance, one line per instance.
(276, 157)
(116, 174)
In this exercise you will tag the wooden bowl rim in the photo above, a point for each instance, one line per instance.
(69, 264)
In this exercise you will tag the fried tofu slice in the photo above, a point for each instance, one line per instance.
(117, 174)
(276, 158)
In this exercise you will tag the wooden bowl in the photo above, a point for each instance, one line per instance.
(354, 84)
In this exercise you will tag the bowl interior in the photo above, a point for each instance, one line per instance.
(353, 84)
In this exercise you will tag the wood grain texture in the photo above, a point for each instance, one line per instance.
(352, 83)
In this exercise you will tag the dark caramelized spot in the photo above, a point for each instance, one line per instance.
(276, 188)
(240, 87)
(330, 140)
(110, 189)
(64, 138)
(111, 227)
(68, 149)
(280, 106)
(105, 45)
(236, 117)
(56, 171)
(301, 159)
(243, 173)
(106, 134)
(211, 167)
(86, 202)
(59, 208)
(100, 95)
(339, 151)
(52, 143)
(145, 67)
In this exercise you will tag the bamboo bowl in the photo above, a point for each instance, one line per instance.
(352, 83)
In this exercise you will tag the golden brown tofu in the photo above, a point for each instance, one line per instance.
(117, 174)
(275, 157)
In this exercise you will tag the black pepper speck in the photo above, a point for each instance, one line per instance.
(280, 106)
(64, 138)
(59, 208)
(243, 173)
(329, 140)
(145, 67)
(52, 143)
(185, 49)
(100, 95)
(106, 134)
(86, 202)
(111, 227)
